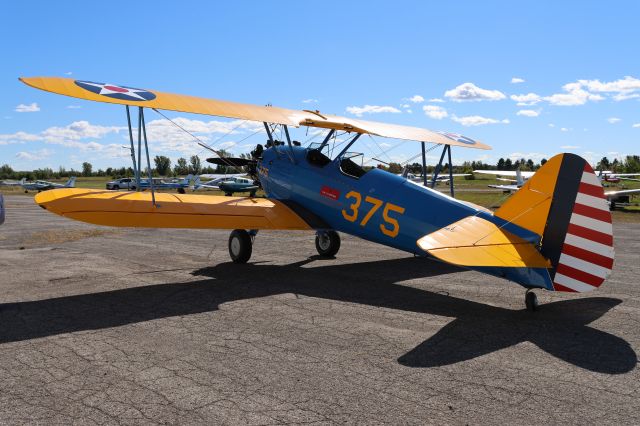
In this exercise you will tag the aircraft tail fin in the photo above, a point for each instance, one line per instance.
(196, 182)
(1, 209)
(564, 203)
(519, 179)
(71, 183)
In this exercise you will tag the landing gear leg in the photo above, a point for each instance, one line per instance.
(327, 243)
(240, 246)
(531, 300)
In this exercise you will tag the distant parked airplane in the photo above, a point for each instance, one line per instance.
(180, 184)
(214, 183)
(11, 182)
(520, 178)
(43, 185)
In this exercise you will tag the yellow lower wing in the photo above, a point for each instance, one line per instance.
(474, 241)
(135, 209)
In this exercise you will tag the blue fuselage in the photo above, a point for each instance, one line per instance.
(377, 206)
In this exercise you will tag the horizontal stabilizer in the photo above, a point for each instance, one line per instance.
(135, 209)
(476, 242)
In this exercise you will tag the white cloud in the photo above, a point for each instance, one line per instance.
(20, 136)
(34, 155)
(405, 106)
(624, 85)
(436, 100)
(528, 113)
(614, 120)
(575, 95)
(416, 99)
(624, 96)
(33, 107)
(552, 125)
(310, 101)
(68, 73)
(73, 107)
(570, 147)
(409, 111)
(636, 126)
(435, 112)
(526, 100)
(227, 145)
(535, 156)
(471, 92)
(76, 131)
(371, 109)
(564, 129)
(516, 80)
(476, 120)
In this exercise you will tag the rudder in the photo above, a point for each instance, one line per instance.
(564, 203)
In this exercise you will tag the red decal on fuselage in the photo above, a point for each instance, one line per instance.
(328, 192)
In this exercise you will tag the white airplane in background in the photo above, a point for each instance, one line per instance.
(441, 178)
(621, 196)
(11, 182)
(214, 183)
(611, 177)
(43, 185)
(520, 178)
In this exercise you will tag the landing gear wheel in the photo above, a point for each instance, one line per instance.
(327, 243)
(181, 191)
(531, 301)
(240, 246)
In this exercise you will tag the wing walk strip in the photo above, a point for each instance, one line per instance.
(587, 252)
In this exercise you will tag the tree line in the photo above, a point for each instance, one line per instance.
(182, 167)
(163, 168)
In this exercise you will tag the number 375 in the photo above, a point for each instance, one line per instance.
(389, 228)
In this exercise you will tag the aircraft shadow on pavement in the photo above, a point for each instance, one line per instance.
(559, 328)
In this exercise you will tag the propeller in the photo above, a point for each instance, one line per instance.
(231, 161)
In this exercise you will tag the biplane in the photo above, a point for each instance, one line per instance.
(554, 233)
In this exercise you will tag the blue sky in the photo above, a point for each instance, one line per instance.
(452, 66)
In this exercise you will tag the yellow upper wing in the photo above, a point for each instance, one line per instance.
(196, 105)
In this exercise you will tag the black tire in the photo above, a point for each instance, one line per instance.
(240, 246)
(328, 243)
(116, 187)
(181, 191)
(531, 301)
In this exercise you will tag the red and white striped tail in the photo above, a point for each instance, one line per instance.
(586, 257)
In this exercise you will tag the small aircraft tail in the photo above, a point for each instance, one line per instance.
(557, 232)
(1, 209)
(196, 182)
(71, 183)
(187, 179)
(564, 203)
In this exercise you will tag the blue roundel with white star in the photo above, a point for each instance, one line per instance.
(123, 93)
(458, 138)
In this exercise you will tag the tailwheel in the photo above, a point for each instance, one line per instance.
(531, 300)
(240, 246)
(327, 243)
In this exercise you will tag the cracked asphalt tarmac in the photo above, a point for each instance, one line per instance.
(112, 326)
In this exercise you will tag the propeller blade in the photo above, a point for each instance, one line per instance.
(231, 161)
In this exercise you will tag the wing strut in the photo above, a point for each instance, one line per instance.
(436, 172)
(142, 133)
